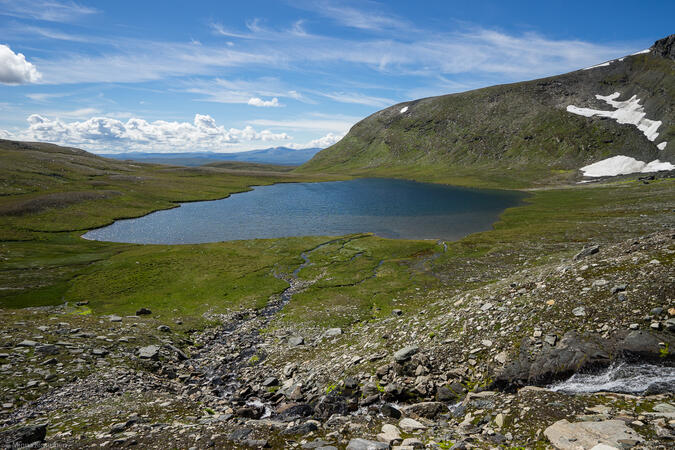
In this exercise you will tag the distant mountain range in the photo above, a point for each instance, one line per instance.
(277, 155)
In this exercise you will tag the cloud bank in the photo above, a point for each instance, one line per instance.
(112, 135)
(14, 69)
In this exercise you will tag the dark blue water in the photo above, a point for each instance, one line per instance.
(386, 207)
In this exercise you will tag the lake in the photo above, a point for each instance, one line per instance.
(386, 207)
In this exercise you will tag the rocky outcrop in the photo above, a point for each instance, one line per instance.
(577, 353)
(587, 435)
(665, 47)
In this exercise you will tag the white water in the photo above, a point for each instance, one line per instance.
(620, 377)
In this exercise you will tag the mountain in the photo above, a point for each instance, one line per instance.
(522, 134)
(277, 155)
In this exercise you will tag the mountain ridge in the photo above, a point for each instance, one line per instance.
(524, 126)
(273, 155)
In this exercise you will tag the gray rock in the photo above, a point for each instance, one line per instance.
(363, 444)
(23, 437)
(409, 425)
(99, 352)
(397, 312)
(143, 312)
(430, 410)
(579, 311)
(389, 410)
(587, 251)
(118, 427)
(164, 329)
(270, 381)
(332, 332)
(622, 297)
(27, 343)
(149, 352)
(406, 353)
(329, 405)
(572, 436)
(301, 429)
(389, 434)
(572, 354)
(619, 288)
(656, 311)
(670, 325)
(115, 318)
(551, 339)
(296, 341)
(47, 349)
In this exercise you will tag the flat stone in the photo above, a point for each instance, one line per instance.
(408, 425)
(296, 341)
(47, 349)
(164, 329)
(149, 352)
(586, 435)
(587, 251)
(99, 352)
(332, 332)
(579, 311)
(115, 318)
(363, 444)
(412, 443)
(27, 343)
(390, 434)
(406, 353)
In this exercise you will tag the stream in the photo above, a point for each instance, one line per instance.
(621, 377)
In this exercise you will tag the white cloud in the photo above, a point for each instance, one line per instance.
(48, 10)
(14, 69)
(357, 98)
(256, 101)
(337, 125)
(372, 20)
(112, 135)
(325, 141)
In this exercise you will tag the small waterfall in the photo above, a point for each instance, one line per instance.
(621, 377)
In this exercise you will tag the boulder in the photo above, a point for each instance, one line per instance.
(296, 341)
(143, 312)
(23, 437)
(430, 410)
(363, 444)
(586, 435)
(389, 410)
(329, 405)
(149, 352)
(409, 425)
(406, 353)
(572, 354)
(389, 434)
(587, 251)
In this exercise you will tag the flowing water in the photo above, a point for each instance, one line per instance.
(621, 377)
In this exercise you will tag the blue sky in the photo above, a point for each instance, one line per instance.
(231, 76)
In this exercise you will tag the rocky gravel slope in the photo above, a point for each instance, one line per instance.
(469, 371)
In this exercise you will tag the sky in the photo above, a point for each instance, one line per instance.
(177, 76)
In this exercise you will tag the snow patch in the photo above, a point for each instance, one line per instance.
(622, 165)
(647, 50)
(662, 145)
(599, 65)
(404, 109)
(628, 112)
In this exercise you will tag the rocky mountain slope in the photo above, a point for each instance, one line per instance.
(536, 128)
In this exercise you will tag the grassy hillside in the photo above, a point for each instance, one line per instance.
(513, 135)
